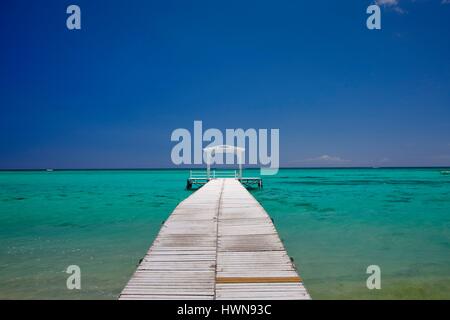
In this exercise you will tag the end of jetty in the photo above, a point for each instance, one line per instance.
(200, 178)
(219, 243)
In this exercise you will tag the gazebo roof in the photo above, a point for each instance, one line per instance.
(223, 149)
(211, 151)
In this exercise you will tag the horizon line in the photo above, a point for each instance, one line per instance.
(197, 168)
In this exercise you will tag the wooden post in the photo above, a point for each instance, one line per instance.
(208, 166)
(240, 164)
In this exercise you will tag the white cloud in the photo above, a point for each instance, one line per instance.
(326, 158)
(398, 10)
(387, 2)
(393, 4)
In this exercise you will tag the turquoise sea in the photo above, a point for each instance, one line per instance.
(334, 223)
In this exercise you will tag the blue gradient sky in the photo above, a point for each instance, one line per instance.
(109, 95)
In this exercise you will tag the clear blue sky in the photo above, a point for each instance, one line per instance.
(110, 95)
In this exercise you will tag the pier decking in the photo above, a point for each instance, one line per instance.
(219, 243)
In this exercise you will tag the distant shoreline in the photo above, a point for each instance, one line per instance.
(200, 168)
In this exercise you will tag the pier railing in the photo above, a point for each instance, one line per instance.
(196, 174)
(200, 178)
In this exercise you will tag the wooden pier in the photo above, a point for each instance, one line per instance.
(219, 243)
(200, 178)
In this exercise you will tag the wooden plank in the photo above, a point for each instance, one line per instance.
(251, 260)
(219, 243)
(180, 264)
(257, 279)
